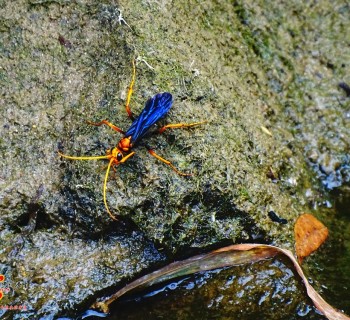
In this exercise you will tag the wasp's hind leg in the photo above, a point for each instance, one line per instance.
(180, 125)
(167, 162)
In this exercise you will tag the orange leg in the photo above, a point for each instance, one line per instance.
(130, 91)
(167, 162)
(115, 128)
(180, 125)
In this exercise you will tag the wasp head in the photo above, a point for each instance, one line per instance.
(116, 154)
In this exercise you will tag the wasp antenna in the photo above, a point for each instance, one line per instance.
(105, 189)
(83, 158)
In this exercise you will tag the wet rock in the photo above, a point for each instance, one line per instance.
(328, 164)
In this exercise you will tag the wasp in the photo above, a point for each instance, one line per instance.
(155, 109)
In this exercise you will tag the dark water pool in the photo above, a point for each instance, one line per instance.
(264, 290)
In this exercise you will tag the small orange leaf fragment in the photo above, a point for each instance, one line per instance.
(309, 233)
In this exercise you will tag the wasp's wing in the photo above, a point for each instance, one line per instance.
(155, 108)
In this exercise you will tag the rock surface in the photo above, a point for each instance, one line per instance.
(265, 77)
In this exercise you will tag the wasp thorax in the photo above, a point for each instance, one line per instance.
(125, 144)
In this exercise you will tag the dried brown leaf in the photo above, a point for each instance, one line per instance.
(310, 233)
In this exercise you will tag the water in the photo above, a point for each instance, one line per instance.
(264, 290)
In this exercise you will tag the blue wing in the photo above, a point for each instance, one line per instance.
(155, 109)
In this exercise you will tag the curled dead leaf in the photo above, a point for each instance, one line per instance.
(228, 256)
(310, 233)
